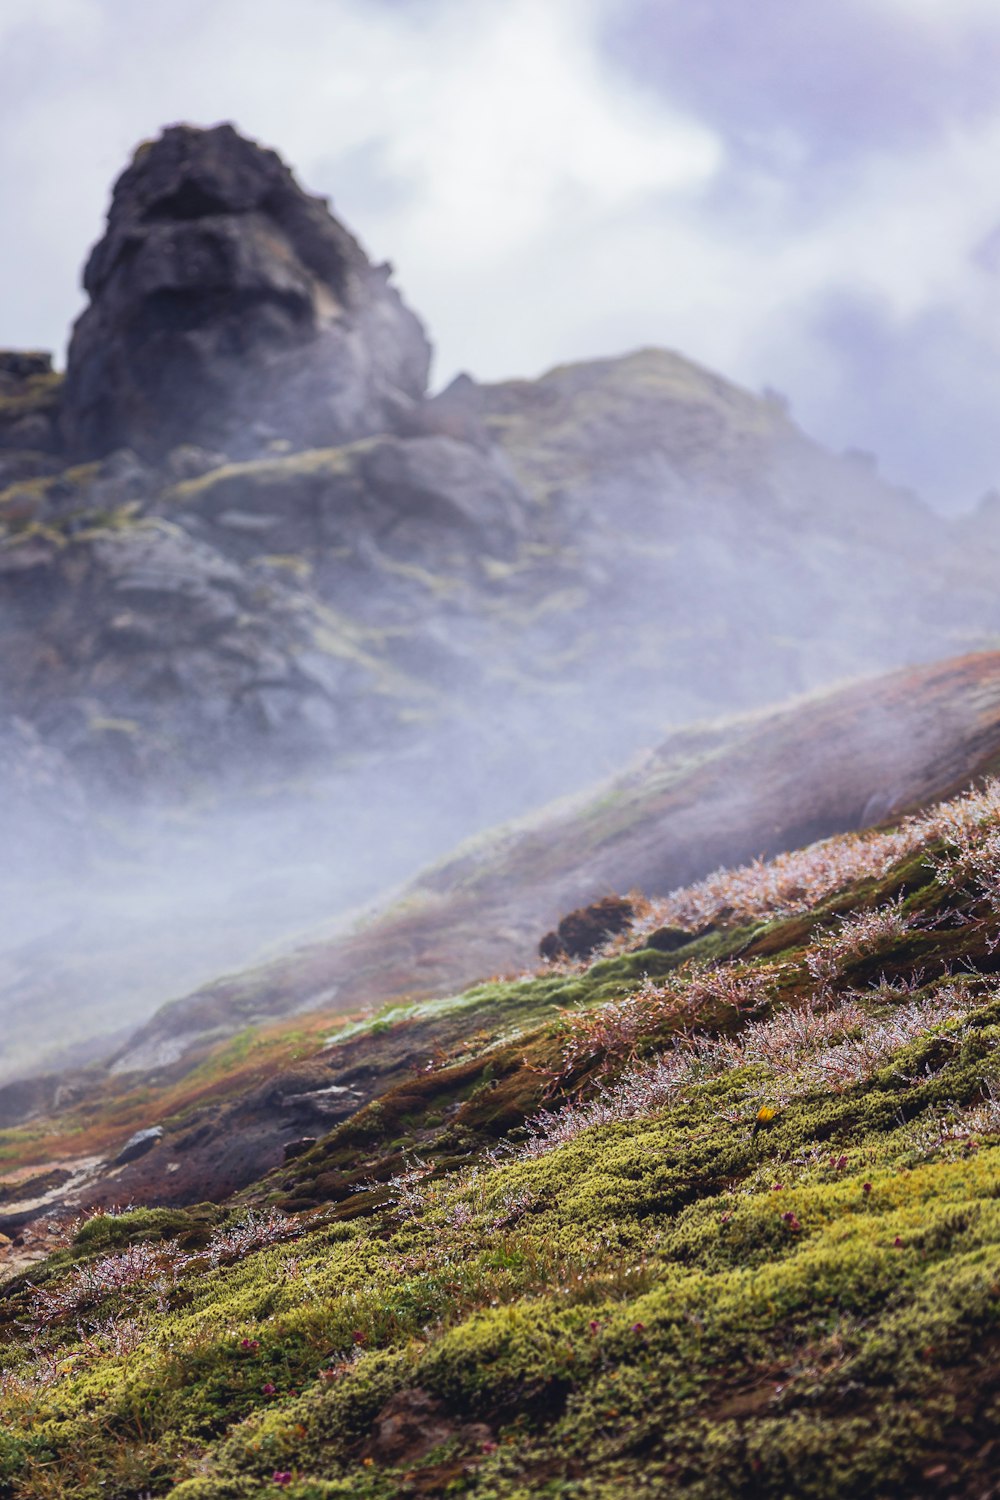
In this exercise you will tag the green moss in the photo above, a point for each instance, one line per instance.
(689, 1301)
(38, 394)
(265, 473)
(105, 1232)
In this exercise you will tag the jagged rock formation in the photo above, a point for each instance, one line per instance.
(477, 570)
(227, 307)
(634, 533)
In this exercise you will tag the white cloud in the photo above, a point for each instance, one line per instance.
(53, 16)
(944, 16)
(495, 120)
(537, 203)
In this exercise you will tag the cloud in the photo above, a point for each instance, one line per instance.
(557, 179)
(479, 124)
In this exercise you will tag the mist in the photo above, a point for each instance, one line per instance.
(288, 613)
(118, 895)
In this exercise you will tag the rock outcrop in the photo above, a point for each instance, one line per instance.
(293, 557)
(229, 308)
(29, 395)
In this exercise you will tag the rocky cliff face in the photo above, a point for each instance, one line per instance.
(550, 571)
(282, 555)
(228, 307)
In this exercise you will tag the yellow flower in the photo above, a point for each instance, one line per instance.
(766, 1114)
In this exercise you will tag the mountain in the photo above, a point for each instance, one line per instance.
(239, 542)
(292, 627)
(644, 1142)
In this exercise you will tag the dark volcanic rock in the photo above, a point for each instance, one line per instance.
(672, 939)
(229, 308)
(582, 931)
(29, 390)
(294, 1149)
(137, 1145)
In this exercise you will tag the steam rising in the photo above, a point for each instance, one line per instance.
(246, 698)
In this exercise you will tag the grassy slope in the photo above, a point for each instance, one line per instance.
(778, 1276)
(722, 795)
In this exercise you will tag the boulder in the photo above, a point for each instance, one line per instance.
(137, 1145)
(229, 309)
(583, 931)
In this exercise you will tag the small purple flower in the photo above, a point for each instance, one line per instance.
(281, 1476)
(268, 1389)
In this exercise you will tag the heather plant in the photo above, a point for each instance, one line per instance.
(859, 1056)
(640, 1091)
(132, 1273)
(752, 1247)
(800, 879)
(616, 1032)
(783, 1041)
(408, 1190)
(251, 1231)
(789, 883)
(858, 935)
(958, 1127)
(837, 1046)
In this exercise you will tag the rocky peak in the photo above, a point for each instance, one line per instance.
(228, 307)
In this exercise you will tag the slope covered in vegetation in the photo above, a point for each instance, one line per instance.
(714, 1216)
(714, 794)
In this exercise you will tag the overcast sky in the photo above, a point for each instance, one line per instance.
(802, 194)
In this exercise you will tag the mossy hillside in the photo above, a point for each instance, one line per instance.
(682, 1299)
(487, 1054)
(387, 1047)
(484, 1078)
(764, 1286)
